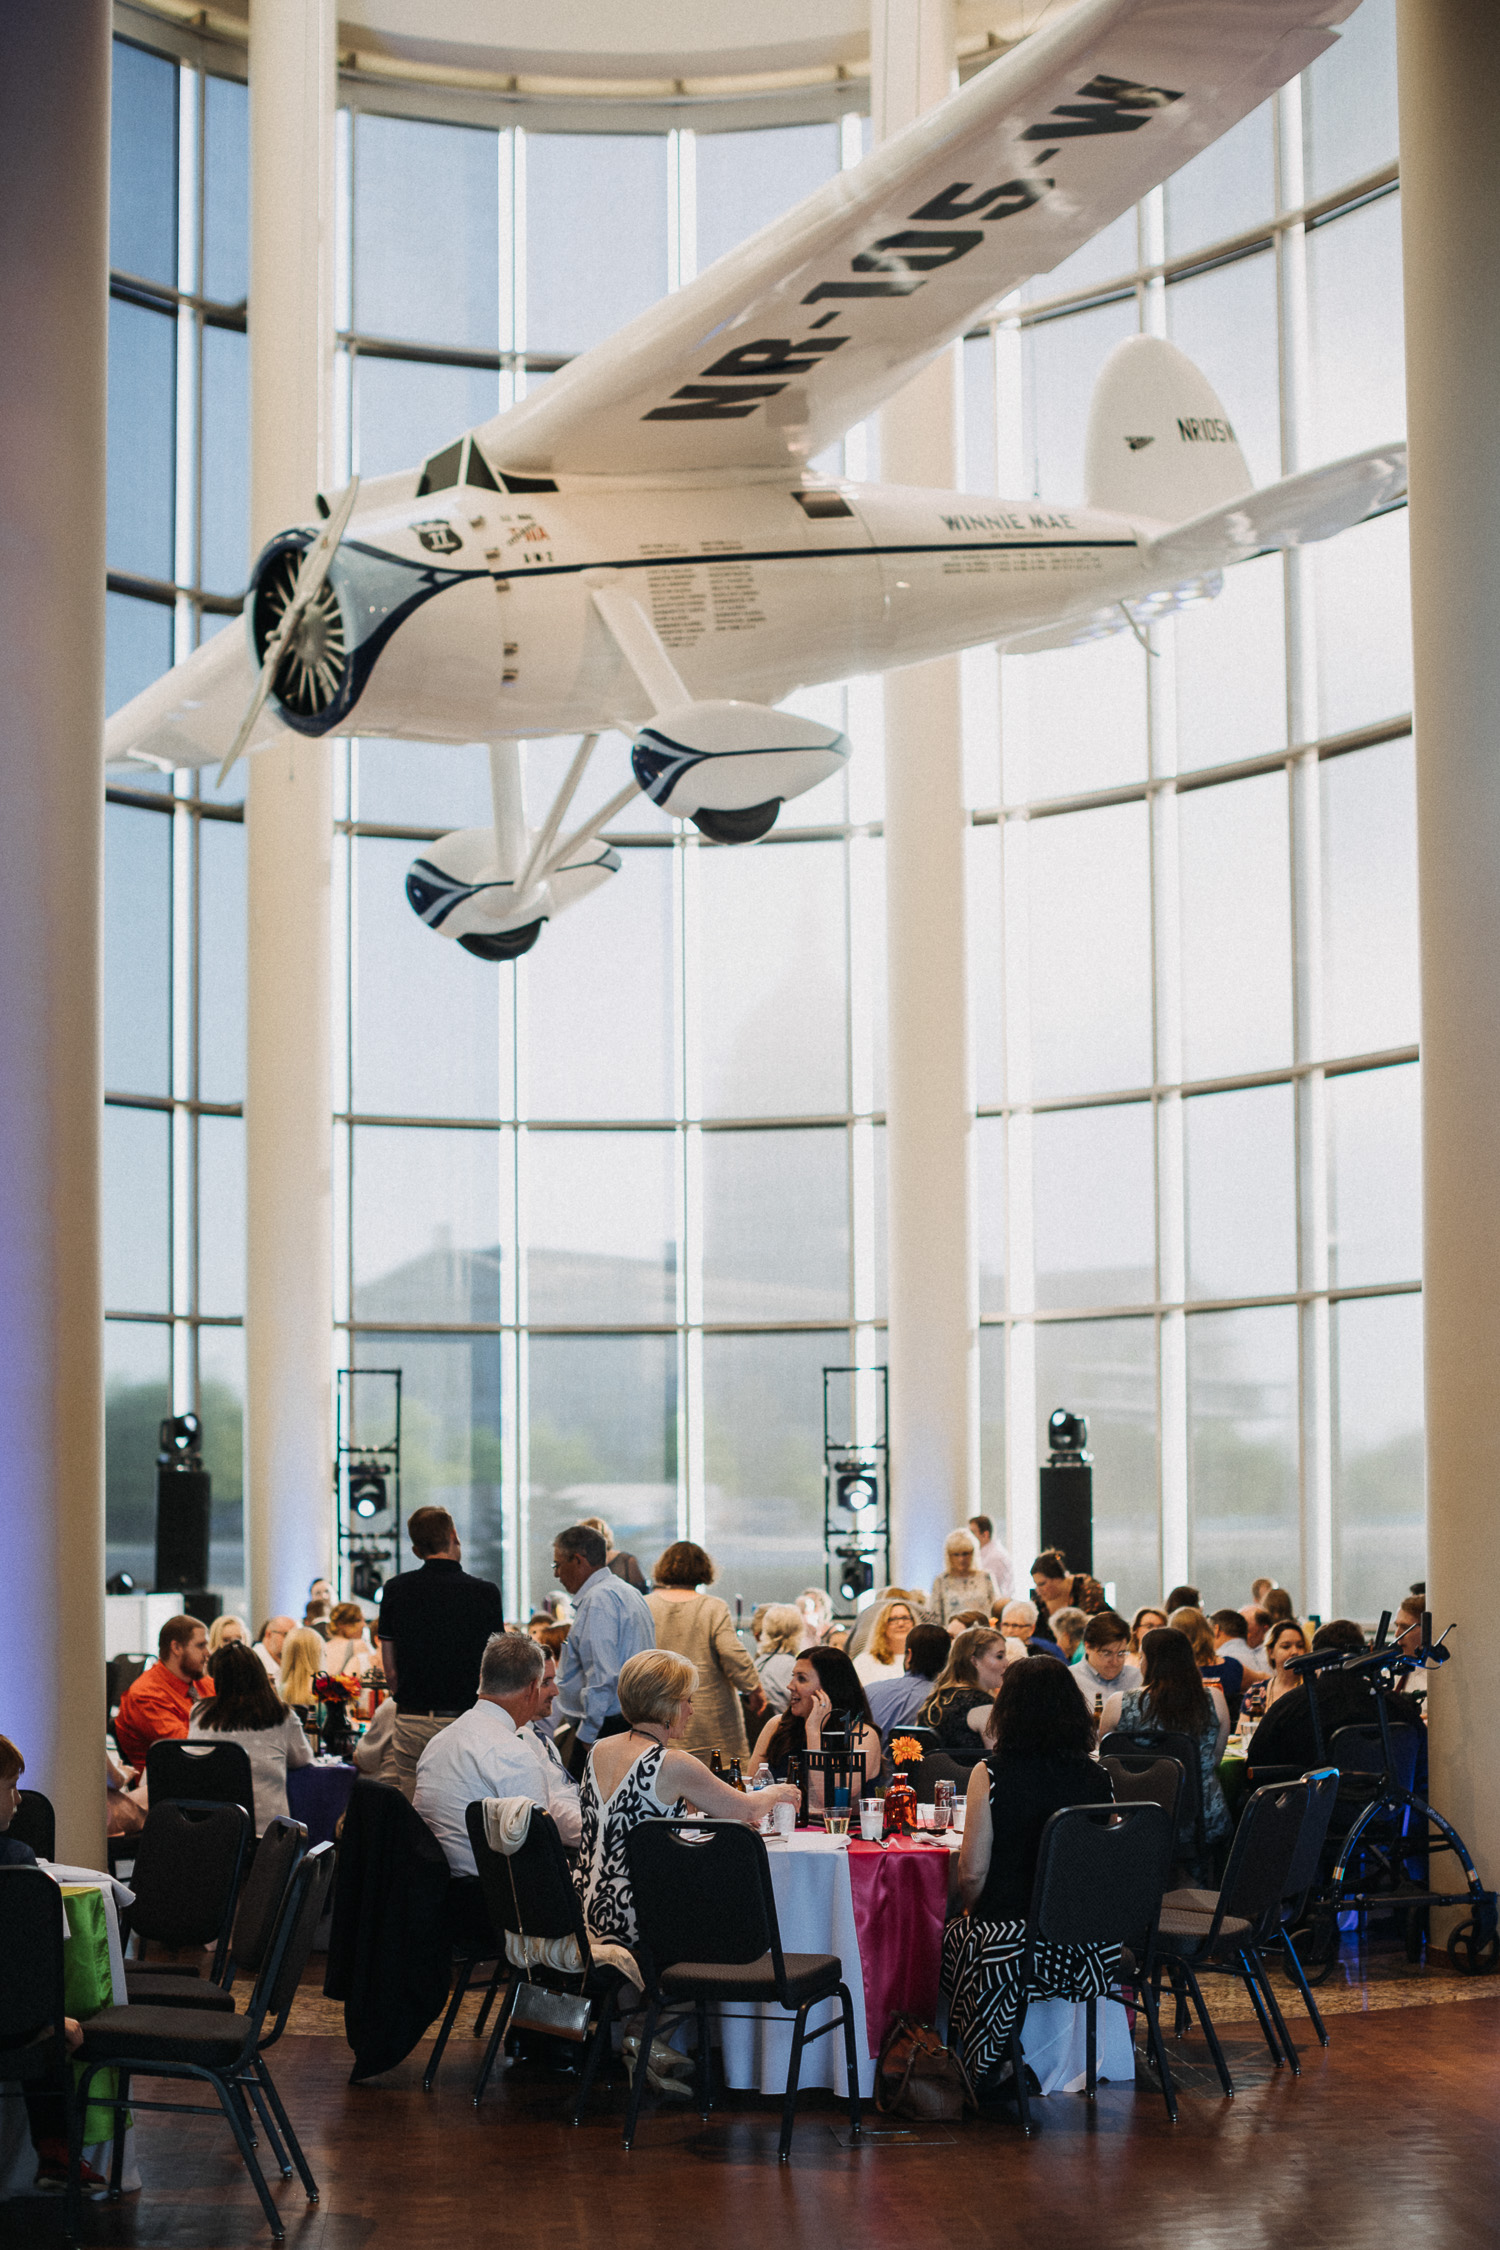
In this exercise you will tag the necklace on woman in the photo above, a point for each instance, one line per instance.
(658, 1739)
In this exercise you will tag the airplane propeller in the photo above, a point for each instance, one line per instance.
(310, 577)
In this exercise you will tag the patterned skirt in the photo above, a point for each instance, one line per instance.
(983, 1979)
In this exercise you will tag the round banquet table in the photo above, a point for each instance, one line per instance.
(881, 1910)
(93, 1977)
(317, 1795)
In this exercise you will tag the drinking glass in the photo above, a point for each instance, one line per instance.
(942, 1805)
(836, 1823)
(784, 1817)
(872, 1818)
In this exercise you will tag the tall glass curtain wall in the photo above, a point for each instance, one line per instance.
(614, 1209)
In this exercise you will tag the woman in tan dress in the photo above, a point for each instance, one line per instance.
(698, 1626)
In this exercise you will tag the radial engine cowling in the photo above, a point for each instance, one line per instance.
(456, 889)
(729, 766)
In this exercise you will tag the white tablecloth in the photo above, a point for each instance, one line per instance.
(815, 1908)
(17, 2156)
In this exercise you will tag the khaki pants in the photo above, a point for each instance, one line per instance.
(409, 1738)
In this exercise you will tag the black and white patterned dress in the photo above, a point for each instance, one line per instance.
(601, 1874)
(984, 1951)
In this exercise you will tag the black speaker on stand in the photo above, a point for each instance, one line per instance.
(184, 1500)
(1067, 1491)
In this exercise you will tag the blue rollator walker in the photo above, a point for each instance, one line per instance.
(1382, 1861)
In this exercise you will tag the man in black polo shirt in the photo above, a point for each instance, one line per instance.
(434, 1623)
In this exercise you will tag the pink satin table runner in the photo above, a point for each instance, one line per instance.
(900, 1895)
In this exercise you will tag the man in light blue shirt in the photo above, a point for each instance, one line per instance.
(611, 1623)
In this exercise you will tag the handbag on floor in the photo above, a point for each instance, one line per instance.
(917, 2076)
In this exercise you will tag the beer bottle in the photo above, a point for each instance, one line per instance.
(716, 1762)
(1098, 1712)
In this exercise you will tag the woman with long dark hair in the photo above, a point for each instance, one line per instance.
(965, 1688)
(1174, 1698)
(825, 1710)
(246, 1709)
(1040, 1736)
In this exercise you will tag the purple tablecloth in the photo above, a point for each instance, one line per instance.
(316, 1795)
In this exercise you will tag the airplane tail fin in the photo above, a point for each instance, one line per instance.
(1159, 442)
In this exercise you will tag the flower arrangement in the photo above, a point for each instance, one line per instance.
(901, 1797)
(905, 1751)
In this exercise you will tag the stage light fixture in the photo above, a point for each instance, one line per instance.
(367, 1493)
(1067, 1434)
(856, 1574)
(365, 1578)
(856, 1487)
(121, 1583)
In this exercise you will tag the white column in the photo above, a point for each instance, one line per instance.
(1449, 55)
(54, 284)
(289, 808)
(933, 1285)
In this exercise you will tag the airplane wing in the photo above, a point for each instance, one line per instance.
(1290, 513)
(189, 716)
(787, 340)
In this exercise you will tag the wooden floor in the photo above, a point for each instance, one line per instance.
(1389, 2136)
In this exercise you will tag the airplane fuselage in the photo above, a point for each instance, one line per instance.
(755, 586)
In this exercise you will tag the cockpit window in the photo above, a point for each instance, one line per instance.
(442, 470)
(463, 463)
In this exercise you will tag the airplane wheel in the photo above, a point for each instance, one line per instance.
(507, 945)
(1472, 1955)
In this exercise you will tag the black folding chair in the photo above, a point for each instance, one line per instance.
(1100, 1874)
(120, 1672)
(1222, 1931)
(943, 1765)
(216, 1773)
(33, 2046)
(227, 2053)
(188, 1862)
(706, 1918)
(1302, 1879)
(1139, 1751)
(1146, 1781)
(530, 1893)
(167, 1985)
(35, 1823)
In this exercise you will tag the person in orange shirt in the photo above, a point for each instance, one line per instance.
(156, 1707)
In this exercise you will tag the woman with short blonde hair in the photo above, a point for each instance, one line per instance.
(961, 1584)
(695, 1625)
(225, 1629)
(778, 1643)
(645, 1774)
(885, 1656)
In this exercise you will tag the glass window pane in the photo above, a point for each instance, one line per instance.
(426, 1224)
(1241, 1193)
(225, 556)
(1370, 992)
(1239, 636)
(426, 1014)
(773, 980)
(1358, 340)
(221, 960)
(1379, 1511)
(601, 1227)
(1225, 321)
(1073, 719)
(989, 1211)
(1236, 927)
(1095, 1205)
(450, 1434)
(1375, 1192)
(1104, 257)
(221, 1404)
(992, 1429)
(137, 650)
(405, 409)
(142, 440)
(1363, 596)
(600, 1000)
(427, 232)
(763, 1460)
(744, 180)
(1349, 100)
(981, 447)
(137, 1210)
(596, 234)
(776, 1226)
(602, 1434)
(1090, 895)
(1062, 359)
(221, 1215)
(1242, 1451)
(1106, 1369)
(226, 190)
(427, 783)
(143, 164)
(1226, 190)
(137, 1394)
(137, 950)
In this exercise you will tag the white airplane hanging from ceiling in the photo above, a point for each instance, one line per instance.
(641, 545)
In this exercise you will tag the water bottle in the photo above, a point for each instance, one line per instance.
(762, 1777)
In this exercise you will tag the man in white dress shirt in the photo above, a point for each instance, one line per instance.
(993, 1557)
(493, 1750)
